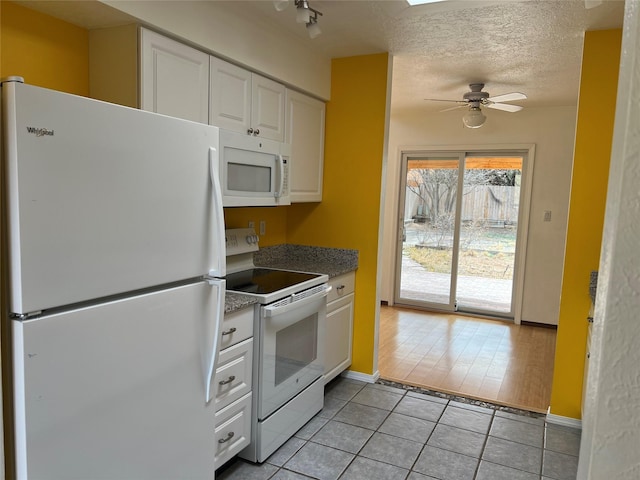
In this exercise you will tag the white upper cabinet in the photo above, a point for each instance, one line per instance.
(174, 78)
(245, 102)
(305, 133)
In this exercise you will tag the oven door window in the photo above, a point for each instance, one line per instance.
(296, 348)
(291, 357)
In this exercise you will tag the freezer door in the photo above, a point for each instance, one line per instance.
(117, 391)
(104, 199)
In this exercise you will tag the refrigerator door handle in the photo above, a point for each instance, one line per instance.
(217, 222)
(213, 337)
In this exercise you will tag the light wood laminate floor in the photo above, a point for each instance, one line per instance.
(477, 358)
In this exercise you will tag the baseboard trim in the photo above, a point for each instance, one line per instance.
(363, 377)
(563, 421)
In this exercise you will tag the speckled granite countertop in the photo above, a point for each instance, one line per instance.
(331, 261)
(236, 301)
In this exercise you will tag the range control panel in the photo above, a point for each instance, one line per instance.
(241, 240)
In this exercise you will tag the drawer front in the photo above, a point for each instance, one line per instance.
(342, 286)
(236, 327)
(233, 430)
(233, 375)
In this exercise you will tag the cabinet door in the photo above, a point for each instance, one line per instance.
(338, 337)
(174, 78)
(305, 133)
(230, 98)
(267, 108)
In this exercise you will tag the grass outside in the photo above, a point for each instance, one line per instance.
(476, 263)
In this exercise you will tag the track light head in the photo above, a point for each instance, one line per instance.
(312, 27)
(303, 13)
(280, 5)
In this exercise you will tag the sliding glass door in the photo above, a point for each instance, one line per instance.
(460, 214)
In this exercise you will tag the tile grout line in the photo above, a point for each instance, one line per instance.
(484, 444)
(401, 394)
(357, 454)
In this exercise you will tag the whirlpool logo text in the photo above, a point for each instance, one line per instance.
(40, 132)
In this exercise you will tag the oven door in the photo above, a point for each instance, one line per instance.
(291, 347)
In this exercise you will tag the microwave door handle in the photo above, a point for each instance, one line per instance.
(217, 215)
(279, 192)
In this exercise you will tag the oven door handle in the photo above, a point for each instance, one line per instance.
(301, 308)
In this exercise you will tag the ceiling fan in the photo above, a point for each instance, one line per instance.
(476, 98)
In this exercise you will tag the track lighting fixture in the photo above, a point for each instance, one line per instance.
(312, 25)
(304, 14)
(280, 5)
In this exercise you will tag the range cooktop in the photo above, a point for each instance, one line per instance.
(266, 280)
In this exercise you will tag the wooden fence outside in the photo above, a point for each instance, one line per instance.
(491, 204)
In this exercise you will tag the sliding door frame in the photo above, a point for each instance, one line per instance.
(528, 152)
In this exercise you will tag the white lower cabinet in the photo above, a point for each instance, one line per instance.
(233, 430)
(233, 376)
(339, 326)
(232, 386)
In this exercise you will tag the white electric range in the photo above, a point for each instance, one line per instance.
(288, 389)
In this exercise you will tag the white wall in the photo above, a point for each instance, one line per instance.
(610, 445)
(552, 130)
(221, 28)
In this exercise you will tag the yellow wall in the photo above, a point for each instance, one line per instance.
(348, 216)
(594, 132)
(49, 53)
(45, 51)
(275, 218)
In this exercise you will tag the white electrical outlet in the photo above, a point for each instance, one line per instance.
(251, 224)
(263, 227)
(547, 215)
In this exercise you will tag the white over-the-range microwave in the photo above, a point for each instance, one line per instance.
(254, 172)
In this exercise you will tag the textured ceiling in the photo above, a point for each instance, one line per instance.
(533, 46)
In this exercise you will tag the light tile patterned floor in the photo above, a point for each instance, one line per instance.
(474, 357)
(380, 432)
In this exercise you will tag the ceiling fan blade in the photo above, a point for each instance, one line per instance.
(453, 108)
(440, 100)
(508, 97)
(504, 106)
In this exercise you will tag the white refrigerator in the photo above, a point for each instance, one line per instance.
(115, 239)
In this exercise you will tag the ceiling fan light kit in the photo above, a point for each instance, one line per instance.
(476, 98)
(474, 118)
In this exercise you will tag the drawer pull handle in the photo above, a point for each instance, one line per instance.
(230, 331)
(228, 380)
(225, 440)
(340, 287)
